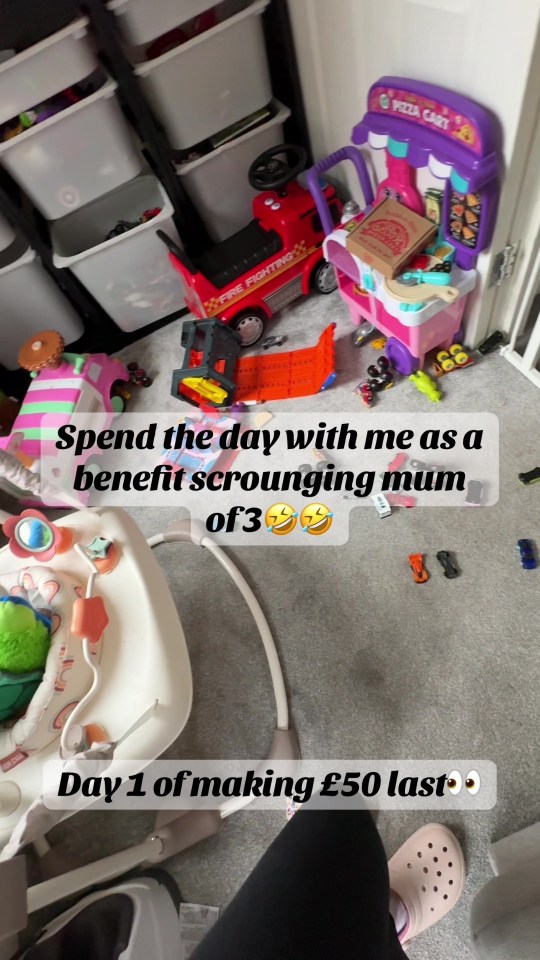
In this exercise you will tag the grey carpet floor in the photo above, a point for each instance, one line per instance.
(376, 666)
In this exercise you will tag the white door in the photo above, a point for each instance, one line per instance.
(487, 50)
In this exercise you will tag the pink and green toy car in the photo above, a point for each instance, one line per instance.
(63, 384)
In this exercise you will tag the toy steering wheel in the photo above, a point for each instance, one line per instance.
(275, 168)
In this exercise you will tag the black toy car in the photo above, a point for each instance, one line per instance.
(450, 569)
(424, 467)
(492, 342)
(532, 476)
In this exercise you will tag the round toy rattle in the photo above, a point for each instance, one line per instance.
(42, 351)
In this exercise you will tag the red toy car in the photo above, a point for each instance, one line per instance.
(273, 260)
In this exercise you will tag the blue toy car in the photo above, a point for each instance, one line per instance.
(527, 554)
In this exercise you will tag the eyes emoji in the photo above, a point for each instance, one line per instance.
(455, 782)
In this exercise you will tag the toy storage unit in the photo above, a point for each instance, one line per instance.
(211, 81)
(45, 69)
(141, 21)
(75, 156)
(218, 184)
(7, 234)
(130, 275)
(31, 301)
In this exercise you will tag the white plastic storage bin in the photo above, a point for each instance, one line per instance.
(45, 69)
(7, 233)
(31, 301)
(141, 21)
(218, 183)
(212, 81)
(130, 275)
(77, 155)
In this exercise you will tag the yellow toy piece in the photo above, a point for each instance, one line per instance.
(425, 384)
(459, 355)
(445, 361)
(208, 389)
(378, 344)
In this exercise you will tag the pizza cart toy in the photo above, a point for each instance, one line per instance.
(274, 259)
(62, 385)
(406, 263)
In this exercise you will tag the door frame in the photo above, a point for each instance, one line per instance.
(506, 306)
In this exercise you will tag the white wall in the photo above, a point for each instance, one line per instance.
(483, 49)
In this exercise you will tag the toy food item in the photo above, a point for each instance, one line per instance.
(465, 213)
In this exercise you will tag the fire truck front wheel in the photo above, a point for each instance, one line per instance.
(324, 278)
(249, 325)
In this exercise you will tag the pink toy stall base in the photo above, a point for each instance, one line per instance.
(439, 331)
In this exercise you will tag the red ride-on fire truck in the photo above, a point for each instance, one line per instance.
(273, 260)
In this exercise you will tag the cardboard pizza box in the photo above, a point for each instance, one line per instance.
(389, 237)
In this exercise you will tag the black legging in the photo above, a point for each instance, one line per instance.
(319, 892)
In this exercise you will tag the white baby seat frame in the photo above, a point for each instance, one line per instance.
(160, 672)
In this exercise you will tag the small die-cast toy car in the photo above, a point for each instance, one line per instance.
(532, 476)
(450, 569)
(527, 554)
(416, 563)
(274, 341)
(474, 492)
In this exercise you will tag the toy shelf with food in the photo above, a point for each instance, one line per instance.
(406, 263)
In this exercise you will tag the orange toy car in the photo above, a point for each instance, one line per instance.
(416, 562)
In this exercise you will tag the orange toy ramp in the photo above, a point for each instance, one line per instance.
(297, 373)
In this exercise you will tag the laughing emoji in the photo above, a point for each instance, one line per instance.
(316, 519)
(281, 519)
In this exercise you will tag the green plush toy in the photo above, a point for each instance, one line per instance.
(25, 636)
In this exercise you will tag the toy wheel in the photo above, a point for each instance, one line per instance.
(459, 355)
(400, 358)
(445, 361)
(324, 278)
(118, 404)
(249, 326)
